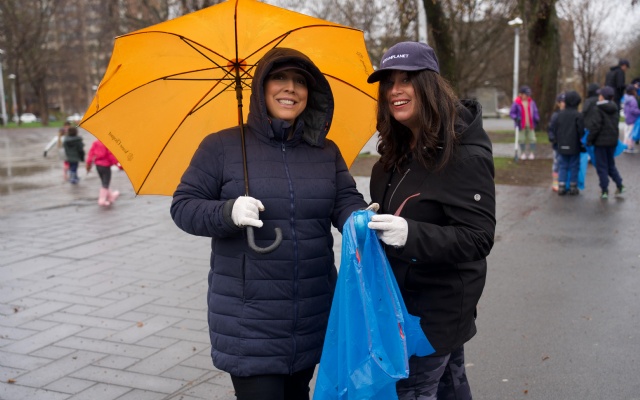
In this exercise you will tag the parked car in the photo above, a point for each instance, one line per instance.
(26, 118)
(74, 117)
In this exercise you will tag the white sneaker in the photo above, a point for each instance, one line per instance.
(523, 156)
(531, 156)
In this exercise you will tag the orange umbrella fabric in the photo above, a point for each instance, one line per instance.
(169, 85)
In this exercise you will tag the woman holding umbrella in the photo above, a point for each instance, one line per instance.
(268, 312)
(434, 184)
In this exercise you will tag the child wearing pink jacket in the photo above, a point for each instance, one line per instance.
(104, 159)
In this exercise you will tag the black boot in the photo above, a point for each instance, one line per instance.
(562, 188)
(573, 189)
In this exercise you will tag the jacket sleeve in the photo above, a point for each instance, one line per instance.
(196, 207)
(536, 114)
(347, 199)
(593, 122)
(551, 130)
(514, 112)
(470, 208)
(633, 107)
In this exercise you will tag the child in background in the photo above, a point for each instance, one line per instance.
(57, 141)
(603, 135)
(104, 159)
(74, 150)
(631, 114)
(554, 167)
(566, 134)
(524, 113)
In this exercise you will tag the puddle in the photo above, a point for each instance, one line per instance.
(22, 171)
(9, 188)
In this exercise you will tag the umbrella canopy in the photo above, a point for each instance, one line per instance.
(169, 85)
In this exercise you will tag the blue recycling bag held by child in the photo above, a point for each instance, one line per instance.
(370, 335)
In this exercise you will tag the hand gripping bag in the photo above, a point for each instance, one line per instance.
(370, 335)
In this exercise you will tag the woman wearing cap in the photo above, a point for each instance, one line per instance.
(268, 313)
(434, 184)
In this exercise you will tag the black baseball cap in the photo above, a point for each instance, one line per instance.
(606, 92)
(406, 56)
(525, 90)
(624, 61)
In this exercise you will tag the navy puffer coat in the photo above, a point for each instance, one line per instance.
(268, 312)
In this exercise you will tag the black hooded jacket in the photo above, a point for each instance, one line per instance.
(569, 126)
(589, 104)
(441, 269)
(604, 130)
(615, 78)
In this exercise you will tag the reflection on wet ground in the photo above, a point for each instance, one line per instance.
(23, 165)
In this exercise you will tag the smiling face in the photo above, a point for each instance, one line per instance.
(286, 95)
(402, 100)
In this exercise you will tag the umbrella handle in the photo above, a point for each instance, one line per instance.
(263, 250)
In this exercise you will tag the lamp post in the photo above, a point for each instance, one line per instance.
(3, 105)
(516, 22)
(14, 103)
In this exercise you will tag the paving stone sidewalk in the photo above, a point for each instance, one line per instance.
(101, 303)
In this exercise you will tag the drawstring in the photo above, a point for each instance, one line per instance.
(396, 188)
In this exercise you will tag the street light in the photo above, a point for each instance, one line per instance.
(516, 22)
(3, 105)
(14, 104)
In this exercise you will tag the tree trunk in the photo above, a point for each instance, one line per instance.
(544, 55)
(438, 26)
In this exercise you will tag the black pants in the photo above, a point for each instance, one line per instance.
(436, 378)
(606, 167)
(273, 387)
(105, 175)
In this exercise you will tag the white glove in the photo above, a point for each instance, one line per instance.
(245, 212)
(390, 229)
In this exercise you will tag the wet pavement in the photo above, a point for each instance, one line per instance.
(110, 303)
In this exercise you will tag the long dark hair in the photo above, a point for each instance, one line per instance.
(438, 115)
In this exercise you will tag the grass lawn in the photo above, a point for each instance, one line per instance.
(509, 135)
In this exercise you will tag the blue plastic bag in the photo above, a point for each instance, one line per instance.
(370, 335)
(635, 133)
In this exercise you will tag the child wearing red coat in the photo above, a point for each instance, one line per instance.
(104, 159)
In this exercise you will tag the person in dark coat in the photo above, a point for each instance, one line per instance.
(74, 152)
(616, 79)
(604, 135)
(268, 313)
(590, 102)
(434, 184)
(566, 135)
(550, 132)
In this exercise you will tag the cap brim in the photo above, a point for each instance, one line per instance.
(378, 74)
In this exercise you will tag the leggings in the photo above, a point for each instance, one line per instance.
(105, 175)
(273, 387)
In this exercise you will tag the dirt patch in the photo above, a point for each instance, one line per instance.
(523, 173)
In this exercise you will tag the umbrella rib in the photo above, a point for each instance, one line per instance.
(352, 86)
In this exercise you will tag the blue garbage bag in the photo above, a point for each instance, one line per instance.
(370, 335)
(635, 133)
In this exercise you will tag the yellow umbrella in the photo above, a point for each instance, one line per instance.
(171, 84)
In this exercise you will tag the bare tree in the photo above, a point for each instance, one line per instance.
(383, 22)
(541, 25)
(472, 40)
(26, 31)
(592, 47)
